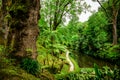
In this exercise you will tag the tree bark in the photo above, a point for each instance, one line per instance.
(114, 21)
(114, 32)
(20, 19)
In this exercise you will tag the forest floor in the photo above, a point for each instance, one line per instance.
(10, 71)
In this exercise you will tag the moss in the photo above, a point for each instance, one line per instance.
(17, 10)
(29, 51)
(11, 74)
(7, 17)
(47, 76)
(16, 14)
(10, 71)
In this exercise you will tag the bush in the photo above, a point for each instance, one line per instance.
(110, 52)
(30, 65)
(76, 76)
(70, 76)
(106, 73)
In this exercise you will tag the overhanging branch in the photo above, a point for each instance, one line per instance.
(103, 8)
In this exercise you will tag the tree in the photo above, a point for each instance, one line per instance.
(118, 26)
(93, 34)
(111, 8)
(55, 11)
(19, 19)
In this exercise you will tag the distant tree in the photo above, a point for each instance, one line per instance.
(19, 19)
(111, 8)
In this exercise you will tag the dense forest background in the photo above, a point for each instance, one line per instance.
(45, 40)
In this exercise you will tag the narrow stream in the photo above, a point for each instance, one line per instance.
(70, 62)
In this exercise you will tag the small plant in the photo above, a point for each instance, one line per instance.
(30, 65)
(97, 72)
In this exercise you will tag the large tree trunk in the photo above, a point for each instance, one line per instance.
(19, 19)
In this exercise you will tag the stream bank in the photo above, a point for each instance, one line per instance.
(85, 61)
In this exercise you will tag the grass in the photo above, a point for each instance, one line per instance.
(65, 69)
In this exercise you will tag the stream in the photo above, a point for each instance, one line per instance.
(86, 61)
(70, 62)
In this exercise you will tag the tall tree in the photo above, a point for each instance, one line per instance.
(111, 8)
(19, 19)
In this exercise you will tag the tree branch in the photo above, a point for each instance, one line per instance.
(103, 8)
(57, 21)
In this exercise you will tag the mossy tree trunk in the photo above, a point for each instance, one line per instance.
(19, 20)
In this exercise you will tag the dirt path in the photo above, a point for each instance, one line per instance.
(70, 62)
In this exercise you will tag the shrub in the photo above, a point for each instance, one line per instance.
(75, 76)
(30, 65)
(70, 76)
(106, 73)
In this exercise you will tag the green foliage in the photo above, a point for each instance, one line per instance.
(106, 73)
(93, 35)
(116, 73)
(95, 40)
(30, 65)
(54, 11)
(112, 52)
(97, 71)
(55, 37)
(79, 75)
(97, 74)
(57, 41)
(70, 76)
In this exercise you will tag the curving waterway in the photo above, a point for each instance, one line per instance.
(70, 62)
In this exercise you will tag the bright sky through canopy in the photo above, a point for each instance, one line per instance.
(94, 7)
